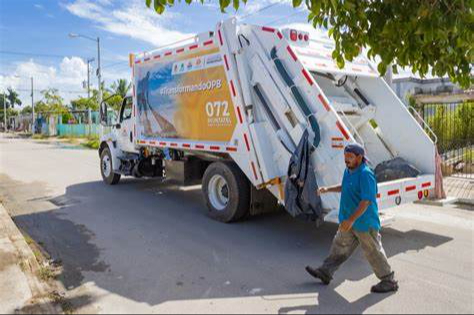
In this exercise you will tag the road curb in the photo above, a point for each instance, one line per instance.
(39, 303)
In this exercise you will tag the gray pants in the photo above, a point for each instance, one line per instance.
(345, 244)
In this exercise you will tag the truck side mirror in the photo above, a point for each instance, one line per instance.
(103, 114)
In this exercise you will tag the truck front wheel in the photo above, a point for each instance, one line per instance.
(227, 192)
(107, 169)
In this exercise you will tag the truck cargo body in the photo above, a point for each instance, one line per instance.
(243, 96)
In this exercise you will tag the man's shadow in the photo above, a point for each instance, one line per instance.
(329, 301)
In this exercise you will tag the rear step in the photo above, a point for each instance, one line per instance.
(396, 193)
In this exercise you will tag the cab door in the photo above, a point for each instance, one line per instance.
(125, 127)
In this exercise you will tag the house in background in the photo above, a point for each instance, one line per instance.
(430, 91)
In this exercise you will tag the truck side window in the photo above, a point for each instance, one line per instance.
(127, 109)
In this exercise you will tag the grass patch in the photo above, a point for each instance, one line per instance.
(92, 143)
(39, 137)
(46, 274)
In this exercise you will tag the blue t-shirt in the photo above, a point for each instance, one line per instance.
(357, 186)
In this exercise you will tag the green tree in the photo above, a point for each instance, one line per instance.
(444, 127)
(11, 99)
(424, 35)
(465, 122)
(121, 87)
(84, 103)
(11, 112)
(27, 110)
(52, 103)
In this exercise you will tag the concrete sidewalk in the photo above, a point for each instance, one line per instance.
(20, 289)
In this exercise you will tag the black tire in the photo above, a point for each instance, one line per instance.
(112, 178)
(237, 191)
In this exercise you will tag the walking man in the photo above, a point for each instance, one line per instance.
(359, 223)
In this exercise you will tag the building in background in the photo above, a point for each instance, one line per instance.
(436, 90)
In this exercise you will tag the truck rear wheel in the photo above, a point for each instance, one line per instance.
(227, 192)
(106, 168)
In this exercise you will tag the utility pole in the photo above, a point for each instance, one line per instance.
(89, 61)
(99, 71)
(32, 106)
(5, 110)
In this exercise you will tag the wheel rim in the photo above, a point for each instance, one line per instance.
(106, 166)
(218, 192)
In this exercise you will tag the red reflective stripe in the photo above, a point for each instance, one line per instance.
(186, 145)
(209, 42)
(308, 77)
(163, 143)
(293, 55)
(323, 101)
(198, 146)
(337, 139)
(193, 47)
(394, 192)
(247, 142)
(169, 53)
(240, 115)
(229, 149)
(410, 188)
(426, 185)
(268, 29)
(343, 130)
(226, 63)
(379, 196)
(337, 146)
(254, 171)
(233, 88)
(153, 142)
(280, 35)
(138, 61)
(147, 59)
(157, 57)
(180, 50)
(215, 148)
(174, 144)
(220, 38)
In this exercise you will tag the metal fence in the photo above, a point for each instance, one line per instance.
(453, 124)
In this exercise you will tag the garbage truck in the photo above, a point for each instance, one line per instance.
(227, 109)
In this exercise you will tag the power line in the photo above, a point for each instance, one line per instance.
(59, 91)
(19, 53)
(262, 9)
(115, 64)
(271, 23)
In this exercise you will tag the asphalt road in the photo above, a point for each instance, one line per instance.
(145, 246)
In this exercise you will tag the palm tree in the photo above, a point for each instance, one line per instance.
(121, 87)
(12, 98)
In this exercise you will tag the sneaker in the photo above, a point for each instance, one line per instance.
(385, 287)
(319, 274)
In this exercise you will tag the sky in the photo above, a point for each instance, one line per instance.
(34, 39)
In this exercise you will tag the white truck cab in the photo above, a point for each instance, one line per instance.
(227, 108)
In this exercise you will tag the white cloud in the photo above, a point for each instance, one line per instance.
(39, 6)
(255, 6)
(131, 19)
(67, 78)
